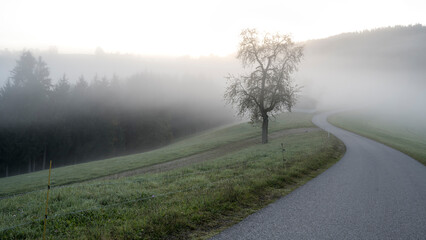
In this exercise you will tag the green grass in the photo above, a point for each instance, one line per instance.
(192, 202)
(392, 132)
(186, 147)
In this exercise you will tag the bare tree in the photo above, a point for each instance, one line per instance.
(268, 87)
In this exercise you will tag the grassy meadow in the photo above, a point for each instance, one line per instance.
(407, 138)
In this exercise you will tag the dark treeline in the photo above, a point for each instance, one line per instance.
(104, 117)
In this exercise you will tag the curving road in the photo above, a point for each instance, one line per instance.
(373, 192)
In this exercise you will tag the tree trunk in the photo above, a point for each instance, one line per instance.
(44, 157)
(29, 165)
(7, 170)
(265, 129)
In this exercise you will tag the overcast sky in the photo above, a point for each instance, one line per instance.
(186, 27)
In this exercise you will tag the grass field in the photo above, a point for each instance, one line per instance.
(392, 132)
(193, 145)
(192, 202)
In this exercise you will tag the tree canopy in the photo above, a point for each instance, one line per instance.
(268, 87)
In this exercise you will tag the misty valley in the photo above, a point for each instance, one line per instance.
(161, 147)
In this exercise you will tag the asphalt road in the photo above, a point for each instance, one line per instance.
(373, 192)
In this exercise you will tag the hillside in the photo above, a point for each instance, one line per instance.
(400, 47)
(198, 143)
(367, 68)
(184, 202)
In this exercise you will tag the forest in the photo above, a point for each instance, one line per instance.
(71, 122)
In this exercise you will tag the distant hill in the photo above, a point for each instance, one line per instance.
(380, 66)
(401, 47)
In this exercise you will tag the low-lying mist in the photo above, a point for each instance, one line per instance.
(73, 121)
(114, 104)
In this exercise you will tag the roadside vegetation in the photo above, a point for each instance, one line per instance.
(191, 202)
(407, 138)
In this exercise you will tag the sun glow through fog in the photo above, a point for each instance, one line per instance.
(186, 27)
